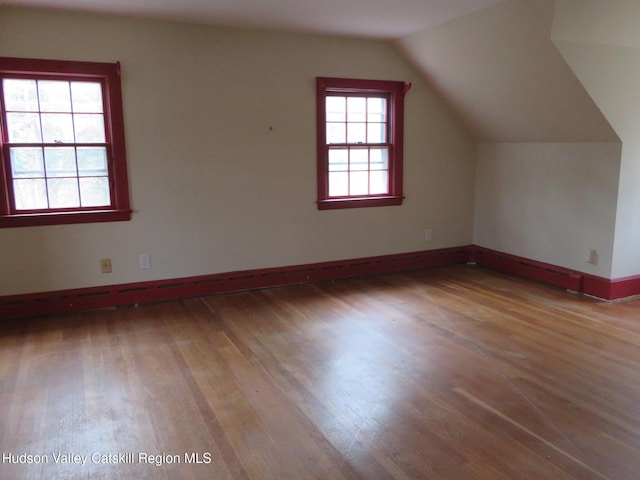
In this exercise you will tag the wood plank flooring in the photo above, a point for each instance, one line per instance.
(448, 373)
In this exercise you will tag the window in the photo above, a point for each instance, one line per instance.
(62, 143)
(360, 129)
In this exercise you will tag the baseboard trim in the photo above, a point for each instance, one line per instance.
(617, 289)
(65, 301)
(576, 281)
(625, 287)
(531, 269)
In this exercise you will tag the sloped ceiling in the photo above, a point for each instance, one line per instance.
(600, 39)
(382, 19)
(492, 60)
(601, 22)
(500, 71)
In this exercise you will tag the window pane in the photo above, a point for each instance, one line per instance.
(359, 183)
(336, 133)
(89, 128)
(94, 192)
(57, 128)
(376, 110)
(63, 192)
(363, 118)
(54, 96)
(92, 161)
(359, 159)
(60, 161)
(20, 95)
(338, 184)
(376, 132)
(357, 132)
(63, 146)
(379, 182)
(30, 194)
(86, 97)
(379, 158)
(338, 159)
(26, 162)
(336, 109)
(356, 109)
(24, 127)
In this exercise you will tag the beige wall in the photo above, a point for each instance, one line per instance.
(551, 202)
(601, 41)
(547, 176)
(220, 127)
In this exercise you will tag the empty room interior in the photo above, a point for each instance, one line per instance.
(320, 240)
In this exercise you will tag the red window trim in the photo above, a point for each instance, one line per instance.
(109, 75)
(396, 92)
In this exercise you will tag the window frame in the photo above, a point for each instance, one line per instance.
(108, 75)
(394, 92)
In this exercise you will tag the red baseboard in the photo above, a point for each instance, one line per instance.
(37, 304)
(48, 303)
(612, 289)
(531, 269)
(625, 287)
(599, 287)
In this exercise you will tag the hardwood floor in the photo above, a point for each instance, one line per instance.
(448, 373)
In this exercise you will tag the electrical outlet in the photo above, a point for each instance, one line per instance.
(105, 265)
(593, 256)
(428, 234)
(144, 260)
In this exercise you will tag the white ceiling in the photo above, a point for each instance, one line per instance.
(384, 19)
(497, 67)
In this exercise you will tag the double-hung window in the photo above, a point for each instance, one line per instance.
(62, 139)
(360, 142)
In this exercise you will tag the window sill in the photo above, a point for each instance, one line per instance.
(63, 218)
(359, 202)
